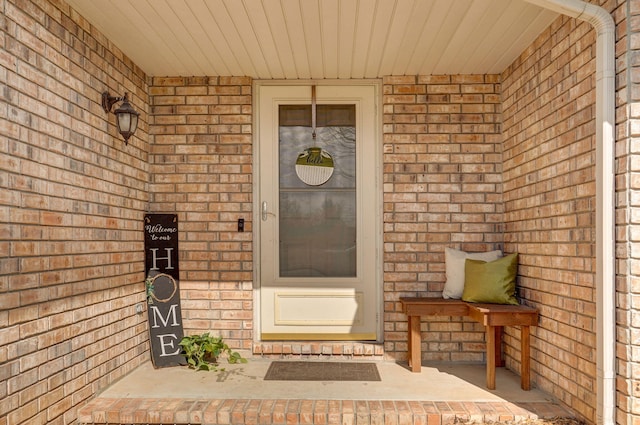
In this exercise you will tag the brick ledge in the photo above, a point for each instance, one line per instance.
(313, 412)
(311, 349)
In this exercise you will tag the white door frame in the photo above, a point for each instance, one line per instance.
(377, 262)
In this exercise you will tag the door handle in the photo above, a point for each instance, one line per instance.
(265, 211)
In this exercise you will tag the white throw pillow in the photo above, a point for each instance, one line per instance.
(454, 264)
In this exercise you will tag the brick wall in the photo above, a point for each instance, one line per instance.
(72, 197)
(627, 203)
(201, 169)
(442, 178)
(442, 188)
(549, 198)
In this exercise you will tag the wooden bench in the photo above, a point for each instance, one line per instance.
(493, 316)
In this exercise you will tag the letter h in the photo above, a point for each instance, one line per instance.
(154, 252)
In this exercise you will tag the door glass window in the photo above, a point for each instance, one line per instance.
(317, 224)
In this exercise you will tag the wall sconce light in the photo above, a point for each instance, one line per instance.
(126, 116)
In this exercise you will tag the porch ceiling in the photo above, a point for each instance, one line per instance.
(317, 39)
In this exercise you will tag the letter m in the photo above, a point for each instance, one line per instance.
(171, 315)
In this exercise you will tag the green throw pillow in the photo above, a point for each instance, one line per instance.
(493, 282)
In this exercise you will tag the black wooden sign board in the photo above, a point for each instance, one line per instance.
(163, 290)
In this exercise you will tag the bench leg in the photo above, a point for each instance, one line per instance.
(525, 358)
(491, 357)
(415, 356)
(498, 343)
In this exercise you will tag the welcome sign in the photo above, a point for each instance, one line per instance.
(163, 290)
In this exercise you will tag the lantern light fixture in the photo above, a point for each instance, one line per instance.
(126, 116)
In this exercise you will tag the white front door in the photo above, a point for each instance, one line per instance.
(318, 212)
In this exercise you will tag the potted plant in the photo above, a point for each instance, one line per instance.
(203, 351)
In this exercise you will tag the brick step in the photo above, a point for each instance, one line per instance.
(312, 412)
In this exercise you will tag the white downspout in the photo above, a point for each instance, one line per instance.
(604, 26)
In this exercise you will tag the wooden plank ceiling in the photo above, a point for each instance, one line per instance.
(317, 39)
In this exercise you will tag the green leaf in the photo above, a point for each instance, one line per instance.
(198, 349)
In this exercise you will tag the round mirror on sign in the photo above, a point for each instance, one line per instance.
(314, 166)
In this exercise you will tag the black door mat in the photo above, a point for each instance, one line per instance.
(322, 371)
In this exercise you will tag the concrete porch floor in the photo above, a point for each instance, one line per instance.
(440, 394)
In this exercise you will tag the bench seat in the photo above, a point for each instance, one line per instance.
(492, 316)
